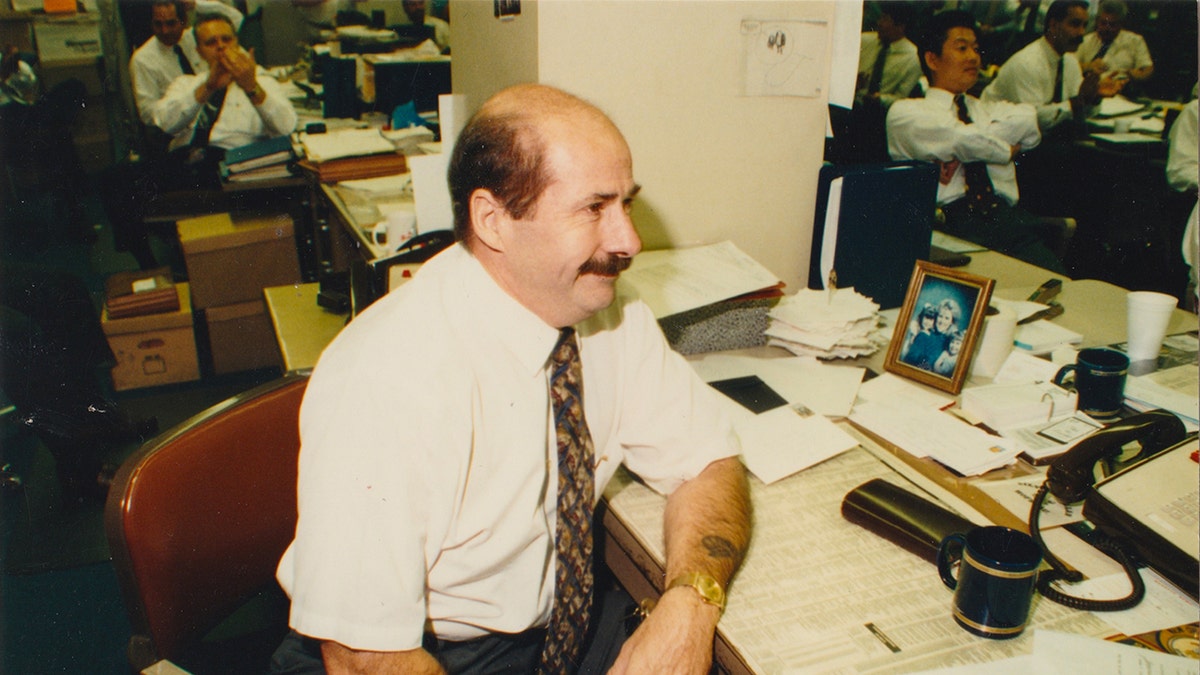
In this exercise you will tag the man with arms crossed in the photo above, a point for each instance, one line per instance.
(429, 537)
(974, 142)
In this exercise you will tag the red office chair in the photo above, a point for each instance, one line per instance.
(197, 520)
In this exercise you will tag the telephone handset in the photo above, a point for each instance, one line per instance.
(1070, 479)
(1072, 475)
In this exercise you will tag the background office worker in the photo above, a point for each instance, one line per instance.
(230, 105)
(429, 485)
(1112, 49)
(974, 142)
(1041, 76)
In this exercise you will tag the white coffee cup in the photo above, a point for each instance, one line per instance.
(1122, 125)
(393, 231)
(995, 342)
(1149, 314)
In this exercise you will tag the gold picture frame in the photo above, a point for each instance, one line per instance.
(938, 326)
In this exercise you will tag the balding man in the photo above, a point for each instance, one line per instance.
(448, 469)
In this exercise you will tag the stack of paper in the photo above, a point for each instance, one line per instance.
(827, 324)
(1174, 389)
(347, 154)
(931, 433)
(1043, 337)
(1004, 406)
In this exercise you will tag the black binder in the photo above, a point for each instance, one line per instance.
(884, 226)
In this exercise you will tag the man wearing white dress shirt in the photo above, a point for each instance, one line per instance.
(974, 142)
(895, 76)
(231, 104)
(1112, 49)
(1041, 75)
(170, 52)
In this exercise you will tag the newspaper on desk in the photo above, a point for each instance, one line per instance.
(818, 594)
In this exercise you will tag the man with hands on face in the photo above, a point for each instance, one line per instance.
(228, 106)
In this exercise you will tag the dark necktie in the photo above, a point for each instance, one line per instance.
(573, 534)
(1031, 19)
(1058, 83)
(981, 196)
(1103, 50)
(877, 69)
(184, 64)
(209, 113)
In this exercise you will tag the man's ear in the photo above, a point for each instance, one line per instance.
(488, 218)
(929, 57)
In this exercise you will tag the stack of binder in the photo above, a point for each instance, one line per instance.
(272, 158)
(140, 292)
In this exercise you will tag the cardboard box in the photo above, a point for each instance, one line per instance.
(230, 259)
(154, 349)
(241, 337)
(68, 40)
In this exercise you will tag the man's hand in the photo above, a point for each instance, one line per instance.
(946, 170)
(677, 637)
(1094, 87)
(241, 67)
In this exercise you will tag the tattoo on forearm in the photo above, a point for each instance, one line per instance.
(719, 547)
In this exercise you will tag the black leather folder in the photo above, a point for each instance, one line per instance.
(908, 520)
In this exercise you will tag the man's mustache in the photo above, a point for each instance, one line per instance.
(609, 266)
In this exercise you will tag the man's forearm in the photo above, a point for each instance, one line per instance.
(707, 522)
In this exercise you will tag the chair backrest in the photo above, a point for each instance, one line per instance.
(198, 518)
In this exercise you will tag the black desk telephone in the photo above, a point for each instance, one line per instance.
(1071, 479)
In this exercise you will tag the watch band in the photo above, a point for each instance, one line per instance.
(708, 588)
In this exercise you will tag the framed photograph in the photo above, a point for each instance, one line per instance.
(938, 326)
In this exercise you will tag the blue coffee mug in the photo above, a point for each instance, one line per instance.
(1099, 379)
(997, 574)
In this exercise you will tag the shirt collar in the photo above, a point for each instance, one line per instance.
(941, 96)
(1049, 51)
(498, 317)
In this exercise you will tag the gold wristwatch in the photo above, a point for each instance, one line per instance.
(710, 591)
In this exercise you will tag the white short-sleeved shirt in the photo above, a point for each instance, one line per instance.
(426, 496)
(1029, 76)
(1128, 51)
(929, 129)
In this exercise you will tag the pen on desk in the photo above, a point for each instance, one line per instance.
(831, 287)
(1050, 312)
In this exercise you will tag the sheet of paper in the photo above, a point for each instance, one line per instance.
(1117, 105)
(1016, 496)
(1164, 606)
(923, 432)
(1055, 652)
(781, 442)
(1023, 308)
(954, 244)
(889, 387)
(676, 280)
(1021, 366)
(400, 183)
(338, 143)
(431, 193)
(829, 235)
(843, 65)
(1174, 389)
(826, 389)
(784, 57)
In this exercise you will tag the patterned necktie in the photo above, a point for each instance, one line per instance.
(576, 490)
(184, 64)
(1058, 83)
(981, 195)
(209, 112)
(877, 69)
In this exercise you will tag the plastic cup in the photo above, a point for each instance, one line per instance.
(1149, 314)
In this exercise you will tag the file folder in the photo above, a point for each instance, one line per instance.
(873, 222)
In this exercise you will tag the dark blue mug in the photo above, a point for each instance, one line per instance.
(997, 574)
(1099, 379)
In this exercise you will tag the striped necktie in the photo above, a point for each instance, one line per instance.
(576, 491)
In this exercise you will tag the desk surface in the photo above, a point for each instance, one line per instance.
(302, 327)
(820, 594)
